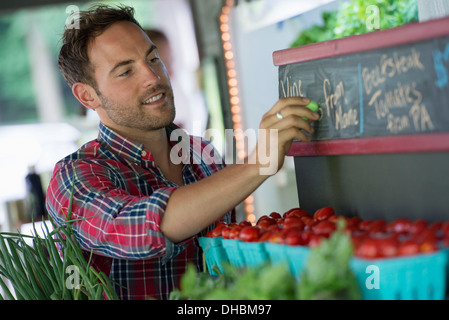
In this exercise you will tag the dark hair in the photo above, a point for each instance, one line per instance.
(73, 59)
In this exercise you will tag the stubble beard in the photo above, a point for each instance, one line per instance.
(137, 116)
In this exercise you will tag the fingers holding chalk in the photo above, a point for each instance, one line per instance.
(313, 106)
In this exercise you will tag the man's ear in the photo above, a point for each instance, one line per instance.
(86, 95)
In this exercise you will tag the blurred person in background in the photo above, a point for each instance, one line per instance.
(34, 197)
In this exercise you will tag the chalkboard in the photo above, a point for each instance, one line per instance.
(397, 90)
(381, 148)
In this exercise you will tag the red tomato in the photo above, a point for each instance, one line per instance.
(364, 225)
(445, 240)
(323, 213)
(275, 215)
(309, 223)
(377, 227)
(388, 247)
(335, 218)
(368, 249)
(418, 226)
(353, 222)
(315, 240)
(265, 236)
(245, 223)
(445, 228)
(276, 238)
(296, 212)
(436, 226)
(428, 246)
(274, 228)
(324, 228)
(262, 218)
(293, 222)
(408, 247)
(294, 229)
(351, 229)
(294, 239)
(265, 223)
(234, 233)
(280, 222)
(216, 232)
(357, 238)
(306, 236)
(426, 235)
(249, 234)
(400, 226)
(225, 232)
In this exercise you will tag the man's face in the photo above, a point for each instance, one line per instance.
(132, 82)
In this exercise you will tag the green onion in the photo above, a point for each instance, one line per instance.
(38, 272)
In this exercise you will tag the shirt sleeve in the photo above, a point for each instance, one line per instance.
(115, 224)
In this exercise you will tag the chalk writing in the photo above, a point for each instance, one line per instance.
(331, 99)
(438, 62)
(394, 65)
(334, 103)
(389, 67)
(397, 124)
(401, 96)
(291, 90)
(421, 118)
(345, 119)
(387, 91)
(387, 100)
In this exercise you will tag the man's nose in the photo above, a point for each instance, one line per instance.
(150, 75)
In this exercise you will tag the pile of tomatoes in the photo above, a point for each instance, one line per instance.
(371, 238)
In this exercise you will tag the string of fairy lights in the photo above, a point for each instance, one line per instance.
(234, 98)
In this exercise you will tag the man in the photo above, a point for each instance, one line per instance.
(144, 211)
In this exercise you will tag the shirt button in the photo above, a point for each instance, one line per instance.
(144, 153)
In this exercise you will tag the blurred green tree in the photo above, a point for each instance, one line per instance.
(15, 81)
(17, 93)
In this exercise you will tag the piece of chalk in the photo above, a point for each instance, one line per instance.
(312, 106)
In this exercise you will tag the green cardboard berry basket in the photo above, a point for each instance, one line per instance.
(276, 253)
(297, 257)
(214, 253)
(418, 277)
(445, 250)
(253, 253)
(233, 252)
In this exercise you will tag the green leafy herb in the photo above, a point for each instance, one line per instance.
(266, 282)
(360, 16)
(327, 273)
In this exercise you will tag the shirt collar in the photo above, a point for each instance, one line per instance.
(127, 148)
(120, 145)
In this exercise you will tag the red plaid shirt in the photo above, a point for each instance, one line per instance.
(118, 185)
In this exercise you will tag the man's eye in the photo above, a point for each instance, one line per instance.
(154, 60)
(123, 74)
